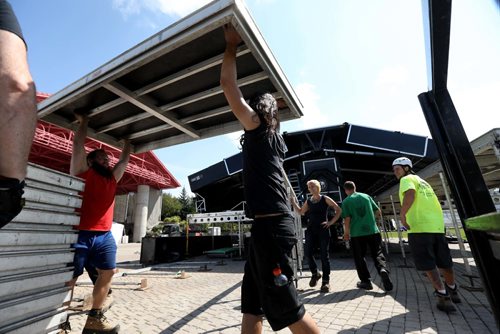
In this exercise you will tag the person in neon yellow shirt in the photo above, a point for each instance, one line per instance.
(422, 216)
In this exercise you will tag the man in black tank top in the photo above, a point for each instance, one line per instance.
(318, 231)
(267, 287)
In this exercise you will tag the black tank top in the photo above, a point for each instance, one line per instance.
(317, 212)
(263, 181)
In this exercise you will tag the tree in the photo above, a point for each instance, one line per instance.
(171, 206)
(187, 204)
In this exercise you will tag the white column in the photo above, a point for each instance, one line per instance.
(141, 212)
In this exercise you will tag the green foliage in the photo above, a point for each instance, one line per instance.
(171, 206)
(155, 231)
(187, 204)
(172, 219)
(177, 206)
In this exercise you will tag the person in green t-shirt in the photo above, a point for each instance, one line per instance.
(422, 216)
(358, 211)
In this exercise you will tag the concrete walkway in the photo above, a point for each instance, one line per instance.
(209, 301)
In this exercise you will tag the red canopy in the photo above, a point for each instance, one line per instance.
(52, 147)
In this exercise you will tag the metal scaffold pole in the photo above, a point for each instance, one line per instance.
(385, 234)
(400, 235)
(460, 240)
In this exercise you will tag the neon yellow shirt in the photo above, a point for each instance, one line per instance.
(425, 214)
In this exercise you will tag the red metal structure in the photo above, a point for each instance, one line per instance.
(52, 147)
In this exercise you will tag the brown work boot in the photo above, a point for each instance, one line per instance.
(98, 324)
(453, 293)
(325, 287)
(444, 302)
(108, 302)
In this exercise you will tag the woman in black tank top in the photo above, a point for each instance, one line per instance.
(318, 231)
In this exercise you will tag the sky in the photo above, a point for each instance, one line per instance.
(356, 61)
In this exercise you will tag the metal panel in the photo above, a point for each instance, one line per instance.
(36, 255)
(397, 142)
(43, 323)
(10, 261)
(24, 308)
(165, 90)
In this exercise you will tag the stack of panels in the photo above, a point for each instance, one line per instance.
(36, 258)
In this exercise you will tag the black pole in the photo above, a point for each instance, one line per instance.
(472, 197)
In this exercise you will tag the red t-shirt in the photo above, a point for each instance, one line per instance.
(98, 202)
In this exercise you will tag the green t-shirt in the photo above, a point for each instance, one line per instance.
(425, 214)
(361, 208)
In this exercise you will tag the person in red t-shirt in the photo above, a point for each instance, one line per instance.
(96, 246)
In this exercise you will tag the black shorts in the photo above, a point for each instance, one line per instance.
(8, 20)
(430, 250)
(271, 244)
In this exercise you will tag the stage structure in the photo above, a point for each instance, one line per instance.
(166, 91)
(332, 155)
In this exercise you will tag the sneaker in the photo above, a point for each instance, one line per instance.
(314, 280)
(453, 293)
(386, 280)
(365, 285)
(98, 324)
(444, 302)
(325, 287)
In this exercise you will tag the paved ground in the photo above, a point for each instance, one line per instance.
(209, 301)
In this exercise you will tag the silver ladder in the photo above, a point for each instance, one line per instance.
(293, 178)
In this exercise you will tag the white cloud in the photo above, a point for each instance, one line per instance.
(176, 7)
(392, 77)
(264, 2)
(313, 117)
(169, 7)
(127, 7)
(234, 138)
(478, 107)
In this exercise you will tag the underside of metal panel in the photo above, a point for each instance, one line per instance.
(165, 90)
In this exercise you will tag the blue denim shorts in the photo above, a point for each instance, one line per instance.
(94, 248)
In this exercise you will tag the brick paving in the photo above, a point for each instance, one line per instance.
(209, 301)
